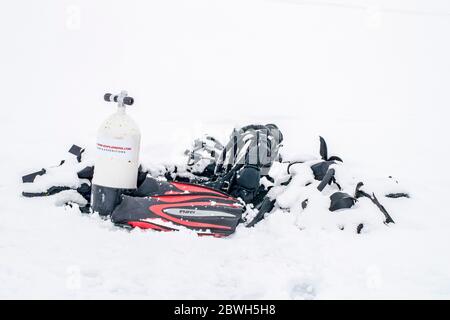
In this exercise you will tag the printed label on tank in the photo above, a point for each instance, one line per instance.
(123, 148)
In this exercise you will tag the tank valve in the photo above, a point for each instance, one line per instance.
(122, 98)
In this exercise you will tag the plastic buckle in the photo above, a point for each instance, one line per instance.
(226, 186)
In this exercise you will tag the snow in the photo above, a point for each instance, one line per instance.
(60, 175)
(371, 77)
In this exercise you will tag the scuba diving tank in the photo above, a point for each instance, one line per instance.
(117, 160)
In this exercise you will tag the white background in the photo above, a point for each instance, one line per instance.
(372, 77)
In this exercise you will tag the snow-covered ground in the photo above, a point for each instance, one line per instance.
(372, 77)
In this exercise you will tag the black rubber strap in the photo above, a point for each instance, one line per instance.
(327, 179)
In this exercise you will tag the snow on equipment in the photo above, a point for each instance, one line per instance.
(117, 161)
(169, 206)
(61, 178)
(203, 156)
(247, 157)
(221, 186)
(310, 186)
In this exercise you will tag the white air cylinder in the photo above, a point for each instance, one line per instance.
(117, 158)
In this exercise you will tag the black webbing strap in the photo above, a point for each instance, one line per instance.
(29, 178)
(266, 206)
(324, 152)
(77, 151)
(84, 190)
(327, 179)
(51, 191)
(360, 193)
(397, 195)
(323, 149)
